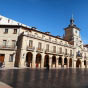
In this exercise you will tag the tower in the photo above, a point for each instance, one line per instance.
(72, 34)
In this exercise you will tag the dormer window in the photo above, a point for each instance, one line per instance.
(6, 31)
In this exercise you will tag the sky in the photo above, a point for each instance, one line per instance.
(48, 15)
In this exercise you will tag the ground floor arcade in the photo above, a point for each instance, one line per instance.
(40, 60)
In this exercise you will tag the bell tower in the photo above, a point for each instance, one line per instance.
(72, 34)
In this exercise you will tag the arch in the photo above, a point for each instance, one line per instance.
(78, 63)
(54, 60)
(65, 61)
(38, 60)
(29, 56)
(60, 61)
(70, 62)
(46, 60)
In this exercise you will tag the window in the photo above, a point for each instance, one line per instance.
(30, 43)
(47, 47)
(54, 49)
(39, 46)
(11, 58)
(6, 31)
(66, 51)
(15, 31)
(60, 50)
(71, 52)
(13, 43)
(4, 43)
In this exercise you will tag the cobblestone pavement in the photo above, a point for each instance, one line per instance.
(41, 78)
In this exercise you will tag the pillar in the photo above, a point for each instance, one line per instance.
(57, 57)
(63, 61)
(34, 60)
(68, 62)
(50, 61)
(42, 60)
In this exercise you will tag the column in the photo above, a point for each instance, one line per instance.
(42, 60)
(34, 60)
(68, 62)
(57, 57)
(63, 61)
(50, 61)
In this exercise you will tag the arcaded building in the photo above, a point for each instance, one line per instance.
(24, 46)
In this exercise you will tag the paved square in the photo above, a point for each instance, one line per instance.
(41, 78)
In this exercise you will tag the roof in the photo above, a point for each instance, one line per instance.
(74, 26)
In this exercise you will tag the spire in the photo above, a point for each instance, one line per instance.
(72, 21)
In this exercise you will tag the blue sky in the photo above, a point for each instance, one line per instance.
(48, 15)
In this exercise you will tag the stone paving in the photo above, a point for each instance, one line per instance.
(41, 78)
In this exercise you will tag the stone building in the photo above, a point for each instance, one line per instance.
(24, 46)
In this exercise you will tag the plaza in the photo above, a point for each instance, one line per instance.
(40, 78)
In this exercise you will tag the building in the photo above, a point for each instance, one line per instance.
(24, 46)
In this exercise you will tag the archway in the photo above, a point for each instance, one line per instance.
(29, 59)
(65, 61)
(60, 61)
(46, 60)
(85, 63)
(54, 60)
(38, 60)
(70, 62)
(78, 63)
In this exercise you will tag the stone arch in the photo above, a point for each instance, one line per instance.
(78, 63)
(65, 61)
(70, 62)
(60, 61)
(29, 57)
(54, 60)
(46, 60)
(38, 60)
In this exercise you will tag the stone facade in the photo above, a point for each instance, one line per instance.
(24, 46)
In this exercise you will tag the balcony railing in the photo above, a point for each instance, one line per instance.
(47, 51)
(54, 52)
(30, 48)
(60, 53)
(39, 50)
(7, 47)
(66, 54)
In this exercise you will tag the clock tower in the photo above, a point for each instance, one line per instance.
(72, 34)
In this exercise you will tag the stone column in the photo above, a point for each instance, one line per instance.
(63, 61)
(42, 60)
(57, 57)
(50, 61)
(34, 60)
(68, 62)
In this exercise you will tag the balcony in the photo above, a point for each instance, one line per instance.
(30, 48)
(39, 50)
(66, 54)
(71, 55)
(60, 53)
(54, 52)
(7, 47)
(47, 51)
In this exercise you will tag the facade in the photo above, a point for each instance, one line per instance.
(24, 46)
